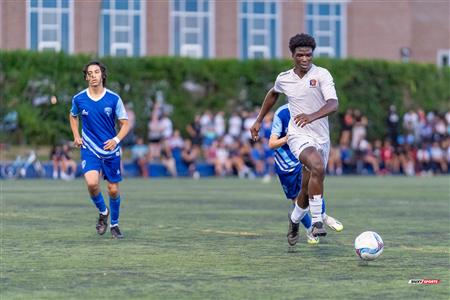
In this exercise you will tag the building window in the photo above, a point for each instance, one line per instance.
(192, 28)
(49, 25)
(122, 23)
(258, 29)
(443, 58)
(326, 22)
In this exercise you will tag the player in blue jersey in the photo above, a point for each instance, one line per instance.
(100, 144)
(289, 170)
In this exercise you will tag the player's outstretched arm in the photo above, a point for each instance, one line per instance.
(269, 101)
(276, 142)
(74, 125)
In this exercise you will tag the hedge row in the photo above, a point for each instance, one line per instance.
(192, 86)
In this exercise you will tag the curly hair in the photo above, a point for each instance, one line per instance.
(102, 69)
(301, 40)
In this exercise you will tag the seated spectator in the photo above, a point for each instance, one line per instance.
(139, 154)
(438, 161)
(155, 133)
(176, 145)
(257, 157)
(347, 159)
(189, 156)
(359, 129)
(368, 156)
(334, 165)
(167, 158)
(346, 127)
(423, 160)
(56, 155)
(406, 158)
(389, 158)
(68, 164)
(237, 161)
(222, 163)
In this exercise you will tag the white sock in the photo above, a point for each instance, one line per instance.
(298, 213)
(324, 216)
(315, 207)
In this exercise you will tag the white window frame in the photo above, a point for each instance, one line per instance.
(266, 17)
(55, 45)
(316, 18)
(440, 55)
(113, 14)
(191, 49)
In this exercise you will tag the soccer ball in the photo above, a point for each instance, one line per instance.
(369, 245)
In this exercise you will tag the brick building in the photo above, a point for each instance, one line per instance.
(401, 30)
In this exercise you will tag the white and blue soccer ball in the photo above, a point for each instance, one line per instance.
(369, 245)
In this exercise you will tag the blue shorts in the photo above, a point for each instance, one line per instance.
(291, 182)
(110, 166)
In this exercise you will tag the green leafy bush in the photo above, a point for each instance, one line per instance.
(369, 85)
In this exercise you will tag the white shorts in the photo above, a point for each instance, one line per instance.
(298, 143)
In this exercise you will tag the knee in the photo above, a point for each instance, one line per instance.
(93, 187)
(113, 190)
(318, 169)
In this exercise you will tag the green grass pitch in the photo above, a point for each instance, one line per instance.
(222, 239)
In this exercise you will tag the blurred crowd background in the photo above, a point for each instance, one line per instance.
(415, 143)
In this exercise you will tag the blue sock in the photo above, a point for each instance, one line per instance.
(114, 205)
(99, 202)
(323, 206)
(306, 221)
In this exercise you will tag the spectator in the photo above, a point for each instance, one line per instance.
(257, 158)
(237, 160)
(155, 134)
(334, 165)
(219, 124)
(424, 159)
(346, 127)
(68, 164)
(392, 123)
(166, 126)
(406, 157)
(369, 157)
(194, 129)
(222, 163)
(139, 155)
(359, 130)
(189, 156)
(235, 125)
(167, 158)
(438, 161)
(347, 159)
(56, 155)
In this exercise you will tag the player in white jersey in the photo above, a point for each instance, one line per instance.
(311, 96)
(293, 176)
(100, 150)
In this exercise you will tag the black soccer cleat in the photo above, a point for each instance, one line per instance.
(102, 223)
(115, 232)
(318, 229)
(292, 235)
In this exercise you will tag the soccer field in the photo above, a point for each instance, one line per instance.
(222, 239)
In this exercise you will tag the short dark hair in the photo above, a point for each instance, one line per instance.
(301, 40)
(102, 69)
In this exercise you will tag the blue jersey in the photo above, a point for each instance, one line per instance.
(285, 160)
(98, 119)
